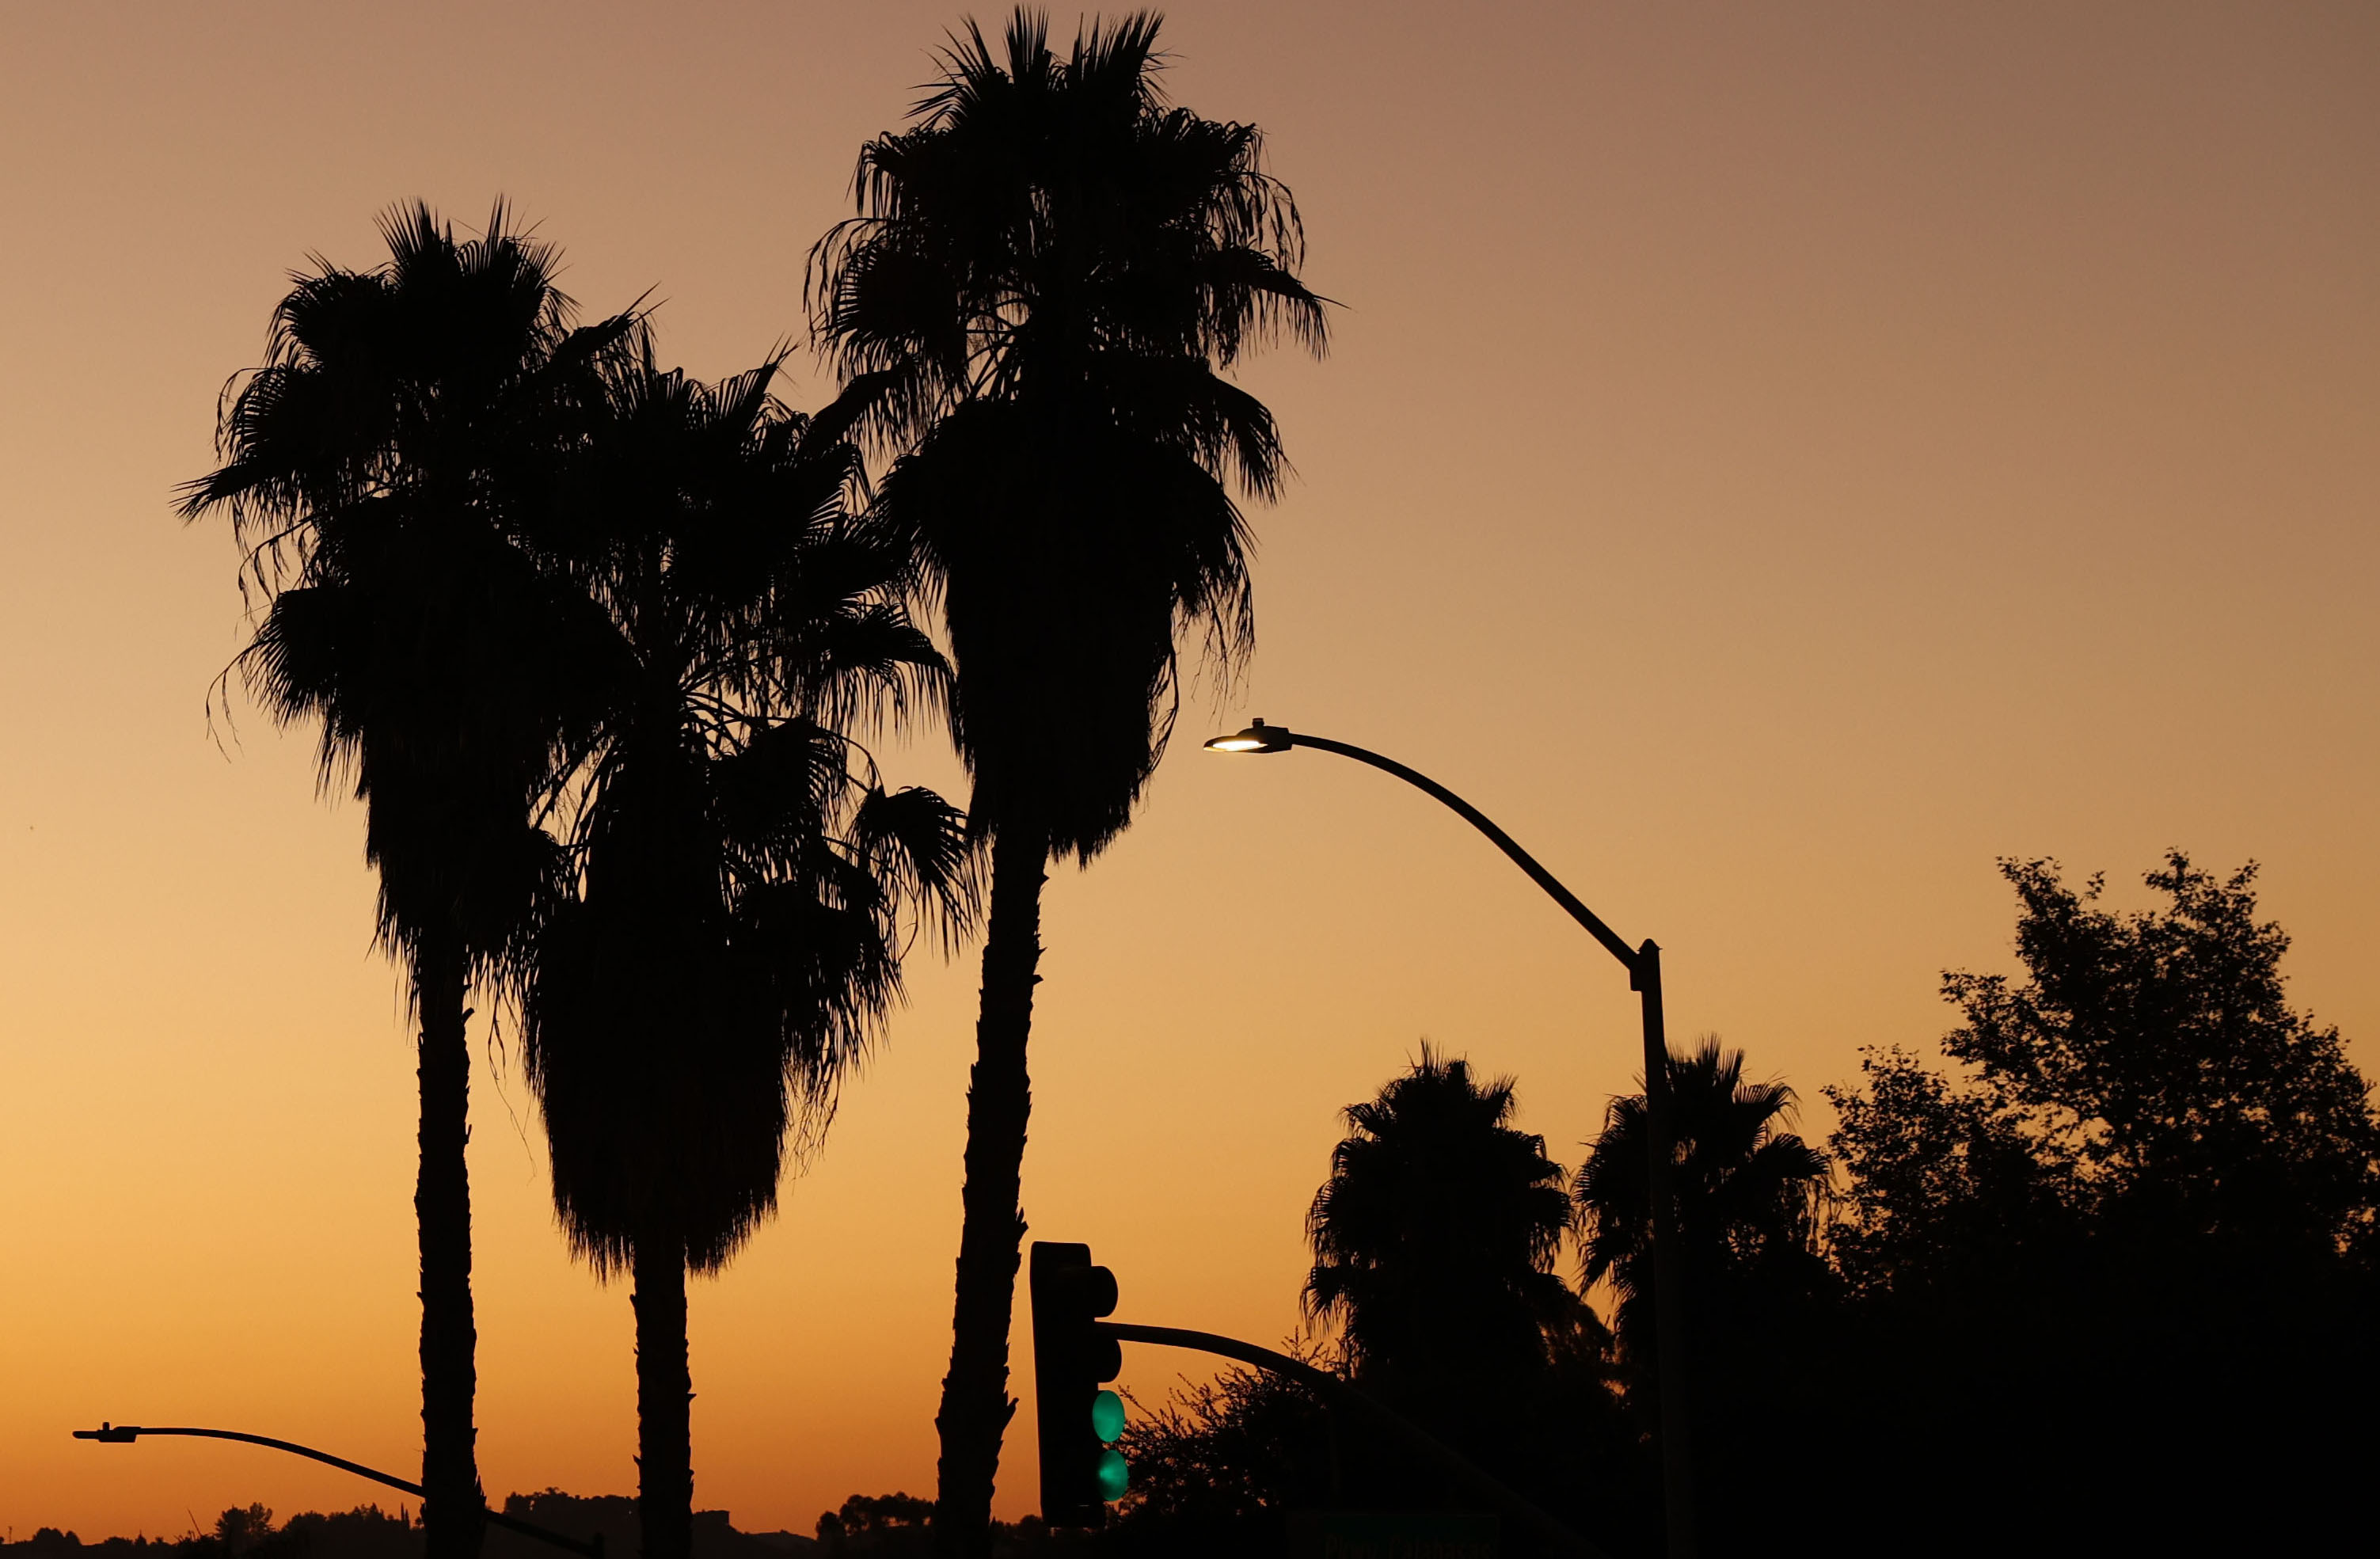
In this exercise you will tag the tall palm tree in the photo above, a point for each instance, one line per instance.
(1047, 272)
(1436, 1236)
(1751, 1198)
(734, 933)
(1751, 1194)
(373, 468)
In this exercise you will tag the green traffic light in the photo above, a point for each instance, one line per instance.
(1114, 1475)
(1107, 1417)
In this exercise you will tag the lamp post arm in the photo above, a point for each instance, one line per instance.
(125, 1432)
(1338, 1393)
(1643, 966)
(1612, 941)
(128, 1431)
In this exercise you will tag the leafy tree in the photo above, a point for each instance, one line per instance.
(240, 1530)
(1216, 1468)
(1943, 1185)
(1047, 272)
(364, 1532)
(2151, 1066)
(895, 1525)
(376, 469)
(733, 934)
(2120, 1248)
(886, 1524)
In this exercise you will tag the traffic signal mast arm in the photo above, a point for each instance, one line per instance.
(1335, 1392)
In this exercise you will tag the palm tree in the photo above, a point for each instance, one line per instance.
(373, 468)
(1751, 1198)
(734, 933)
(1436, 1236)
(1750, 1195)
(1047, 271)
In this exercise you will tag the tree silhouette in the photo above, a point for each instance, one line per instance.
(1047, 271)
(2122, 1243)
(1217, 1466)
(2151, 1064)
(1436, 1236)
(1436, 1240)
(1752, 1200)
(375, 468)
(240, 1530)
(733, 934)
(1750, 1195)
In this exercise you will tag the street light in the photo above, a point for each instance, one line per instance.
(126, 1434)
(1258, 737)
(1644, 965)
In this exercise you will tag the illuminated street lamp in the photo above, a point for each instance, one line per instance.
(1258, 737)
(1644, 965)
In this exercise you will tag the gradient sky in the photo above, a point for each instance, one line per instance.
(1775, 458)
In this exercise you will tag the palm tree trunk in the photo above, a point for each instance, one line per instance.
(976, 1406)
(664, 1391)
(441, 1208)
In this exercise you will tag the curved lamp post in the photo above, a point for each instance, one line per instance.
(125, 1434)
(1644, 965)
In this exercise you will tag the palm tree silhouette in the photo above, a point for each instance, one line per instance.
(733, 934)
(375, 468)
(1045, 273)
(1435, 1240)
(1750, 1195)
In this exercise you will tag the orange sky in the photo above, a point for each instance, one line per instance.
(1775, 459)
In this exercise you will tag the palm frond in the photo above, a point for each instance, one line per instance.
(1044, 272)
(743, 887)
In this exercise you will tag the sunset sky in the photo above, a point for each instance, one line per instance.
(1774, 458)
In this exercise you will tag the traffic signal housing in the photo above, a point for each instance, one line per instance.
(1078, 1422)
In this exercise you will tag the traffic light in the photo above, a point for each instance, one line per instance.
(1081, 1470)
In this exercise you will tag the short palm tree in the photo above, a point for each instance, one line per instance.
(374, 469)
(1047, 272)
(733, 933)
(1751, 1194)
(1436, 1236)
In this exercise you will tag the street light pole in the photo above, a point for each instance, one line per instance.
(1644, 965)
